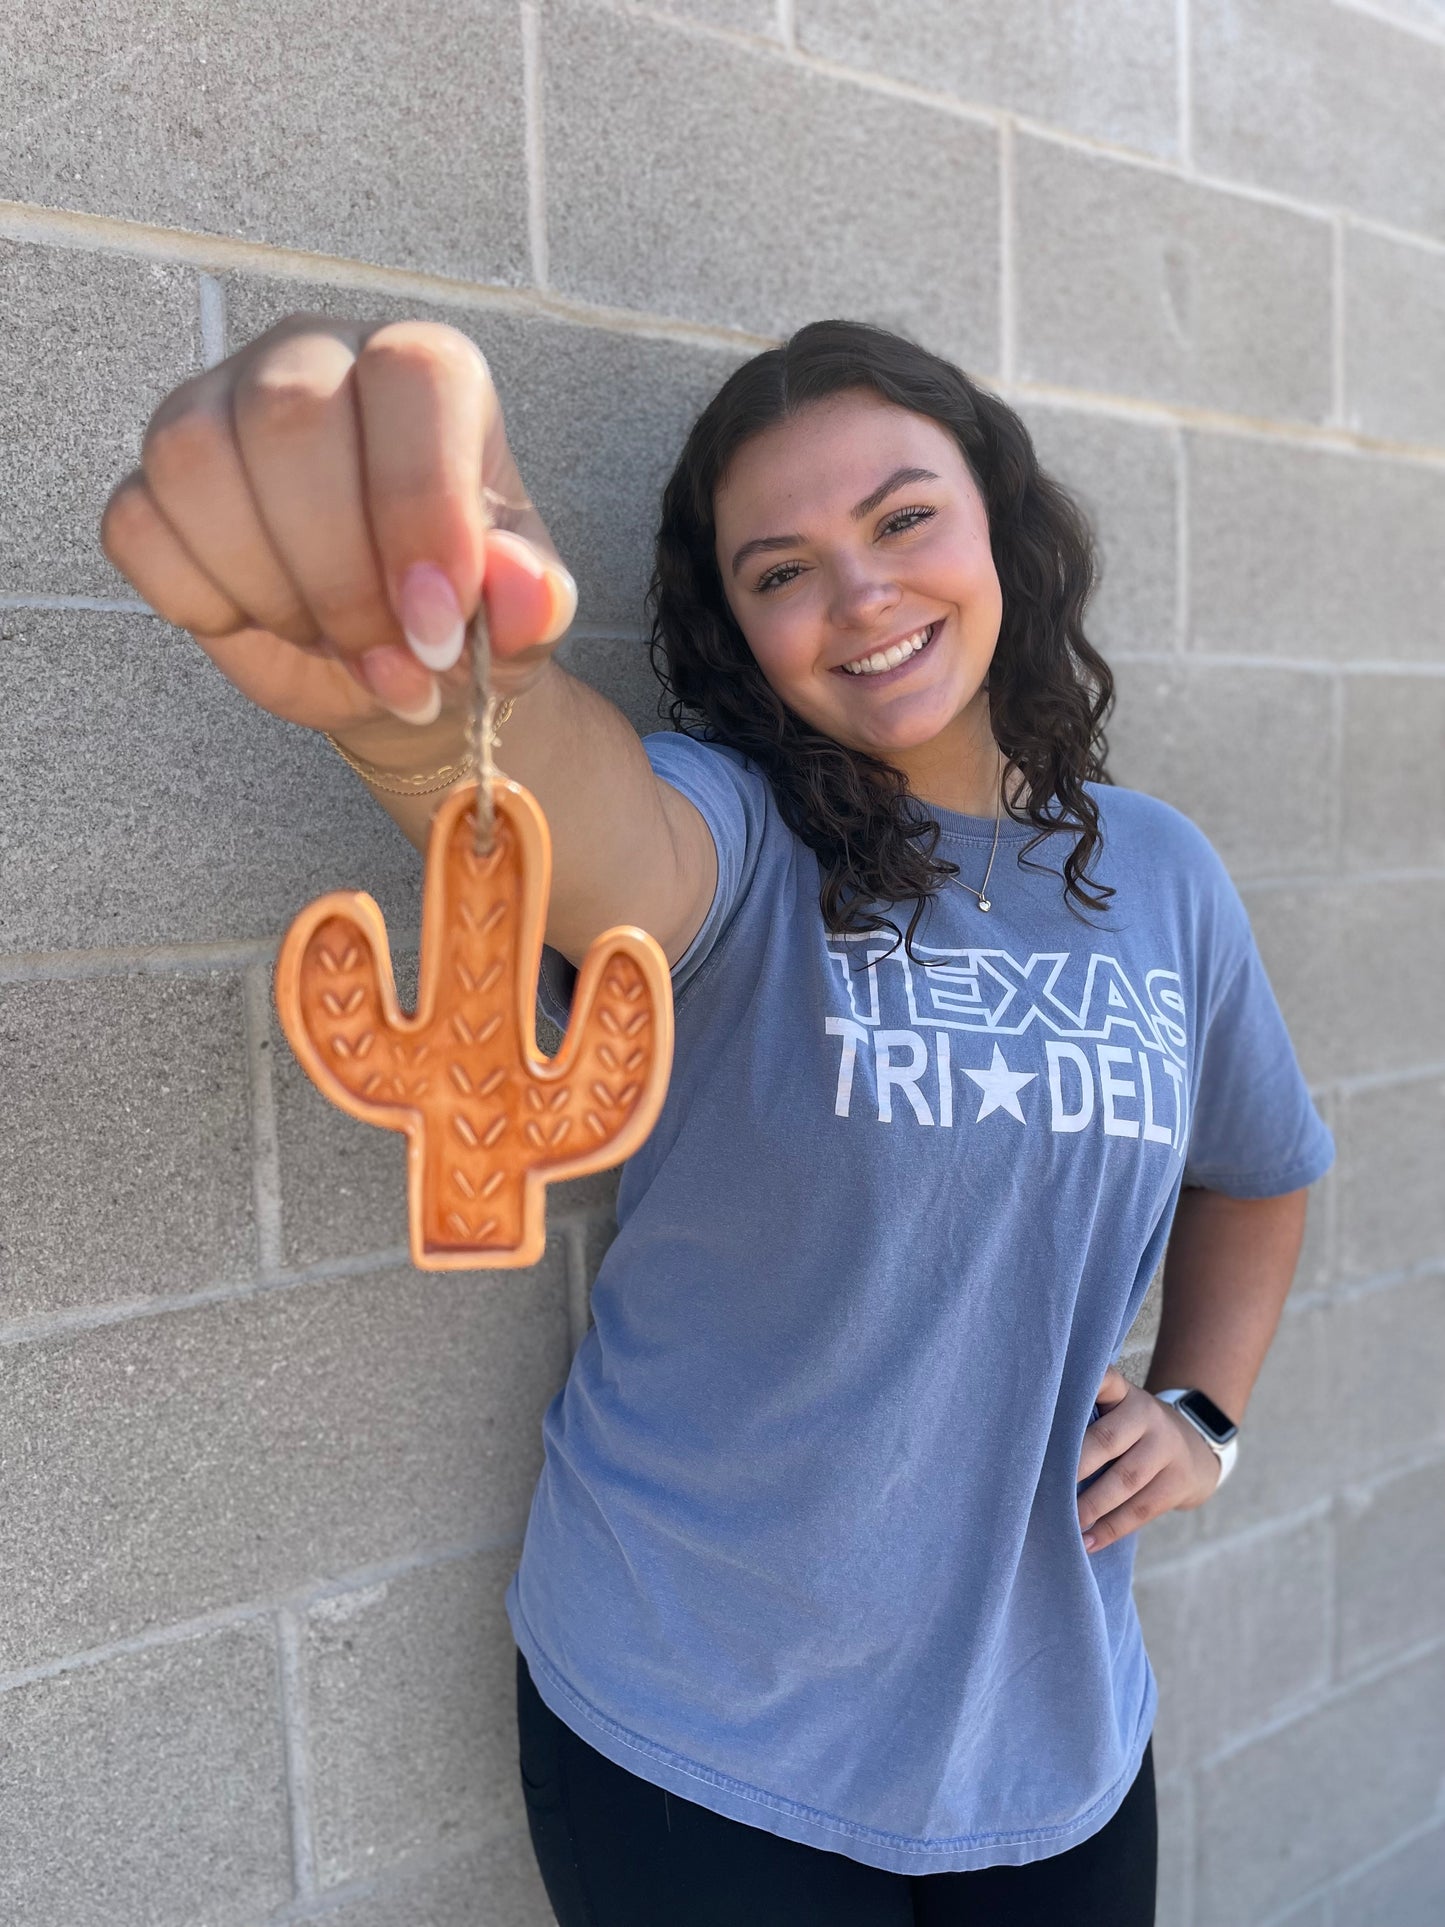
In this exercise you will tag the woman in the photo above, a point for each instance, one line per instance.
(824, 1611)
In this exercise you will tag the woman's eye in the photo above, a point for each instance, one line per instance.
(898, 523)
(906, 519)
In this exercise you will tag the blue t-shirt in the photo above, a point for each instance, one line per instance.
(805, 1546)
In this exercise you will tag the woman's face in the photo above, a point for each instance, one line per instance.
(853, 547)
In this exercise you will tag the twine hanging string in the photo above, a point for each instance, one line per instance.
(483, 730)
(487, 714)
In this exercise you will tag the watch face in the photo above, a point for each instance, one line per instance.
(1219, 1427)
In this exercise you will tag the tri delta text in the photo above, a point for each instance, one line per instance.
(1062, 1040)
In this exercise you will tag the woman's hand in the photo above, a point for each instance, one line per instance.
(321, 509)
(1156, 1463)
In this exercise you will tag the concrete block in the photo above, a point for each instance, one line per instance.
(245, 1449)
(591, 1240)
(92, 342)
(494, 1885)
(758, 17)
(125, 1141)
(404, 144)
(1406, 1889)
(1145, 1328)
(1394, 338)
(1105, 70)
(666, 154)
(1287, 1813)
(1358, 1002)
(1238, 1633)
(594, 1196)
(1394, 773)
(1315, 1912)
(1246, 753)
(596, 420)
(343, 1183)
(1391, 1566)
(1317, 1267)
(622, 672)
(1314, 554)
(1327, 103)
(149, 1789)
(1291, 1452)
(410, 1708)
(1391, 1203)
(203, 818)
(1387, 1374)
(1124, 476)
(1426, 16)
(1133, 282)
(1175, 1794)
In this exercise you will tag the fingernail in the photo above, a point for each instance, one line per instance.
(1089, 1542)
(391, 676)
(428, 612)
(564, 602)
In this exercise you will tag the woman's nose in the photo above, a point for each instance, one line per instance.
(862, 592)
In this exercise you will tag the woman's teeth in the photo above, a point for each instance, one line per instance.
(891, 657)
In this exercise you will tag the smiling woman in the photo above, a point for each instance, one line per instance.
(824, 1608)
(923, 512)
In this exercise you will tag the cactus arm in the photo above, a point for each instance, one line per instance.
(336, 996)
(614, 1061)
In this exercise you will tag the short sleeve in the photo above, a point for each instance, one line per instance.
(732, 796)
(1255, 1132)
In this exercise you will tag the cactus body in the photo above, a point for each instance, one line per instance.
(489, 1120)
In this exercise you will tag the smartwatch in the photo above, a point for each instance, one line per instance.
(1219, 1433)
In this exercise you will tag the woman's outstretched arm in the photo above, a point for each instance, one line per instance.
(321, 510)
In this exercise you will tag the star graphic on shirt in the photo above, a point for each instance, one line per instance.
(1000, 1087)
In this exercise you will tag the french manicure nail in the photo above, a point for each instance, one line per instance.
(564, 602)
(429, 615)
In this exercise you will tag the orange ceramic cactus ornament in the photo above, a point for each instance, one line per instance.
(489, 1120)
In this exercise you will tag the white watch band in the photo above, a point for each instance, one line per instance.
(1226, 1454)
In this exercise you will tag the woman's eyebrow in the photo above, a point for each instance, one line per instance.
(765, 544)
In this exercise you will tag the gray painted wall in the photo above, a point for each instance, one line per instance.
(261, 1486)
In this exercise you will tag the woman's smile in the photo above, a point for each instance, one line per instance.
(888, 660)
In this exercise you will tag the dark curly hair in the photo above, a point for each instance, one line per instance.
(1049, 689)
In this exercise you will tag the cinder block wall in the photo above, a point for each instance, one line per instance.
(261, 1485)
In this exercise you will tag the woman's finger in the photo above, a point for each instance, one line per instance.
(141, 543)
(1113, 1387)
(1159, 1496)
(303, 685)
(445, 502)
(1126, 1483)
(1115, 1431)
(426, 406)
(299, 435)
(531, 599)
(195, 474)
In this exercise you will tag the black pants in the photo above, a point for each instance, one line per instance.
(617, 1851)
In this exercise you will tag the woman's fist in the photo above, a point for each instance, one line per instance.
(322, 511)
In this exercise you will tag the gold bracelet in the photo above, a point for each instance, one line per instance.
(427, 782)
(395, 784)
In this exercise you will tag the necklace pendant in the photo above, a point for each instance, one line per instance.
(983, 903)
